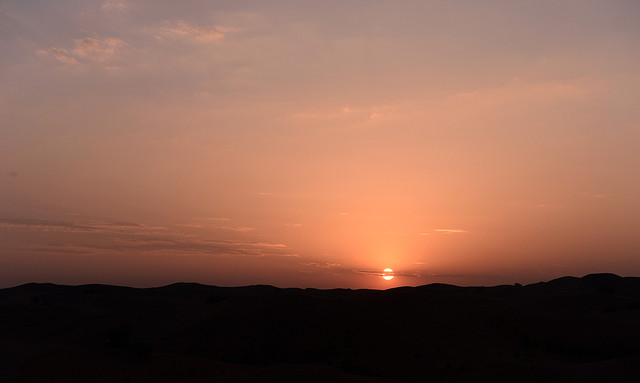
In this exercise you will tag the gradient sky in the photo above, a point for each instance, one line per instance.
(315, 143)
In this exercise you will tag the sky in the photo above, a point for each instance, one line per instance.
(317, 143)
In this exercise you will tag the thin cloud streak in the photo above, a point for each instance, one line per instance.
(443, 231)
(115, 236)
(242, 229)
(114, 5)
(189, 32)
(380, 273)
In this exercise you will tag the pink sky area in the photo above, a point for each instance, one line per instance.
(316, 143)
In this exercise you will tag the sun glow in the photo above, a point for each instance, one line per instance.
(387, 274)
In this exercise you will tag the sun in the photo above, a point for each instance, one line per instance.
(387, 274)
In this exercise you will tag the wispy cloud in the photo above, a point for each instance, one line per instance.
(356, 116)
(191, 225)
(86, 51)
(46, 225)
(60, 54)
(90, 237)
(242, 229)
(190, 32)
(379, 273)
(324, 265)
(215, 219)
(96, 50)
(450, 231)
(591, 195)
(375, 116)
(114, 5)
(443, 231)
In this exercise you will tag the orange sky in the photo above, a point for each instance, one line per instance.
(314, 144)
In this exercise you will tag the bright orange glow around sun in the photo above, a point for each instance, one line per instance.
(387, 274)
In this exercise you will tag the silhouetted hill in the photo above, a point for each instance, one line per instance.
(565, 330)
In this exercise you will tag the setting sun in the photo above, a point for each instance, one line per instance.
(387, 274)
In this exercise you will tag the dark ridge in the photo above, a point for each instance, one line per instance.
(602, 281)
(260, 288)
(564, 330)
(400, 289)
(437, 286)
(99, 288)
(184, 287)
(563, 283)
(32, 286)
(567, 282)
(601, 276)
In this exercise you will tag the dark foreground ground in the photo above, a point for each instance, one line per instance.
(566, 330)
